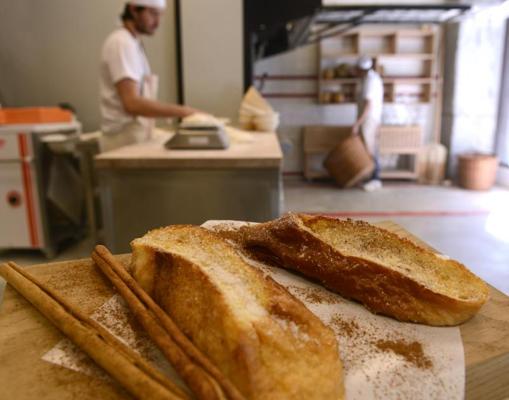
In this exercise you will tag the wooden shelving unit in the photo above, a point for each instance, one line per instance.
(408, 62)
(401, 140)
(395, 53)
(382, 56)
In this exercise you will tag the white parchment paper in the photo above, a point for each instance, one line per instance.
(382, 358)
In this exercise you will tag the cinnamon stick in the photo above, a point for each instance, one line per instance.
(168, 324)
(120, 363)
(199, 381)
(132, 355)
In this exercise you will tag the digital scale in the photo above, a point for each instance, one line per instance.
(199, 137)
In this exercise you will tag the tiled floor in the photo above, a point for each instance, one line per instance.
(462, 224)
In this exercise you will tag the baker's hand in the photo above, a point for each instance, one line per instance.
(190, 111)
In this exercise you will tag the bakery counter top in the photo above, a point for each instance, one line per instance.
(259, 150)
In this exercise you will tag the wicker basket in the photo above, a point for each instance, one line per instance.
(477, 171)
(349, 162)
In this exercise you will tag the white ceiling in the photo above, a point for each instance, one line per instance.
(385, 2)
(411, 10)
(391, 3)
(353, 3)
(391, 15)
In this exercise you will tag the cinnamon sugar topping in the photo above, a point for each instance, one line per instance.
(314, 295)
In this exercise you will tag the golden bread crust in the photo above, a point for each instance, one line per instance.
(390, 275)
(261, 337)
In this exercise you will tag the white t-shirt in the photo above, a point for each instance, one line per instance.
(373, 90)
(122, 57)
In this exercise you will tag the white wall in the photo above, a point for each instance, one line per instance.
(212, 43)
(49, 53)
(298, 112)
(473, 78)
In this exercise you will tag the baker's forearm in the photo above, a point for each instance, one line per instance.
(137, 105)
(144, 107)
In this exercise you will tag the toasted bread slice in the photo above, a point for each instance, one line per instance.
(390, 275)
(262, 338)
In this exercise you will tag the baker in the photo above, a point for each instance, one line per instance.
(369, 114)
(128, 89)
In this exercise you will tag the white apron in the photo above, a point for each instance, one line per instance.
(149, 90)
(141, 129)
(370, 135)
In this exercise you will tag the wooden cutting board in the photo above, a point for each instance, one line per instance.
(25, 335)
(485, 340)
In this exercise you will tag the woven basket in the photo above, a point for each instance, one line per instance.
(477, 171)
(349, 162)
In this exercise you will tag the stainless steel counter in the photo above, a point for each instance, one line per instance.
(145, 186)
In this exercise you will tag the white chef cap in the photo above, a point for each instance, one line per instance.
(160, 4)
(365, 63)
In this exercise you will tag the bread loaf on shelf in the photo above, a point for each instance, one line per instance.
(390, 275)
(262, 338)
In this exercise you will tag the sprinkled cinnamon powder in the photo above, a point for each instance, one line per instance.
(349, 328)
(313, 295)
(412, 352)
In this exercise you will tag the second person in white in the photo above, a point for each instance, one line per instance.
(369, 115)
